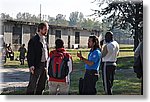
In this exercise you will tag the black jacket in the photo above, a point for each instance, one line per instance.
(34, 53)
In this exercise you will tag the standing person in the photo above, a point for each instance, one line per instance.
(92, 66)
(10, 52)
(59, 69)
(110, 51)
(4, 56)
(6, 45)
(22, 51)
(37, 56)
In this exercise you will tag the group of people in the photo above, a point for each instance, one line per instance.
(7, 52)
(56, 66)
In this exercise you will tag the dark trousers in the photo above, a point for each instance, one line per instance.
(22, 61)
(88, 86)
(108, 72)
(37, 81)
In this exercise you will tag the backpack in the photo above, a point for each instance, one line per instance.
(58, 67)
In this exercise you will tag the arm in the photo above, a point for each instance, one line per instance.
(104, 51)
(86, 61)
(47, 64)
(70, 65)
(31, 53)
(90, 63)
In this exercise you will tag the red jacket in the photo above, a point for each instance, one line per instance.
(70, 69)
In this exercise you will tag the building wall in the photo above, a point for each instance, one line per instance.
(8, 38)
(85, 33)
(83, 41)
(65, 39)
(29, 30)
(25, 39)
(51, 40)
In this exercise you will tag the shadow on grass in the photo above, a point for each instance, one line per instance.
(125, 62)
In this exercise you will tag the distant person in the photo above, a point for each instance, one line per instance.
(110, 52)
(22, 51)
(92, 64)
(59, 69)
(6, 46)
(10, 52)
(4, 51)
(37, 56)
(138, 63)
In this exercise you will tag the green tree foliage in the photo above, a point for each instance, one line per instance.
(124, 14)
(61, 20)
(75, 18)
(91, 24)
(27, 17)
(5, 16)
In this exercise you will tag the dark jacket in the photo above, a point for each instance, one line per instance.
(22, 51)
(138, 60)
(34, 53)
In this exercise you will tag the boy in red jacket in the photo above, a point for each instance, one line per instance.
(59, 69)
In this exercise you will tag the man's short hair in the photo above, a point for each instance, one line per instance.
(109, 36)
(42, 25)
(59, 43)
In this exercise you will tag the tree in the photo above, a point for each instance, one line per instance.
(19, 16)
(74, 18)
(124, 14)
(91, 24)
(51, 20)
(5, 16)
(61, 20)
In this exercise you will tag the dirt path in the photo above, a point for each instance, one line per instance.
(13, 78)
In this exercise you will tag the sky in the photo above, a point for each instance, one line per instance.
(48, 7)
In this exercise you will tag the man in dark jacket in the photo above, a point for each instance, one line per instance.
(37, 57)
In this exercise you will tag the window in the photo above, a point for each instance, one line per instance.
(58, 34)
(77, 37)
(16, 38)
(7, 28)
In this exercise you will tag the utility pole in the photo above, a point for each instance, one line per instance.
(40, 12)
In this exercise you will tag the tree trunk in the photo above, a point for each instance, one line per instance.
(136, 41)
(136, 33)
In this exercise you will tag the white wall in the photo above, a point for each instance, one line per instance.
(8, 38)
(25, 39)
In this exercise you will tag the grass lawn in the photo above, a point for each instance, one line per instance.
(125, 82)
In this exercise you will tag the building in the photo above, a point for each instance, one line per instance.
(20, 32)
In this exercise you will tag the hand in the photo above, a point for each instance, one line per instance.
(79, 54)
(46, 72)
(139, 75)
(32, 69)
